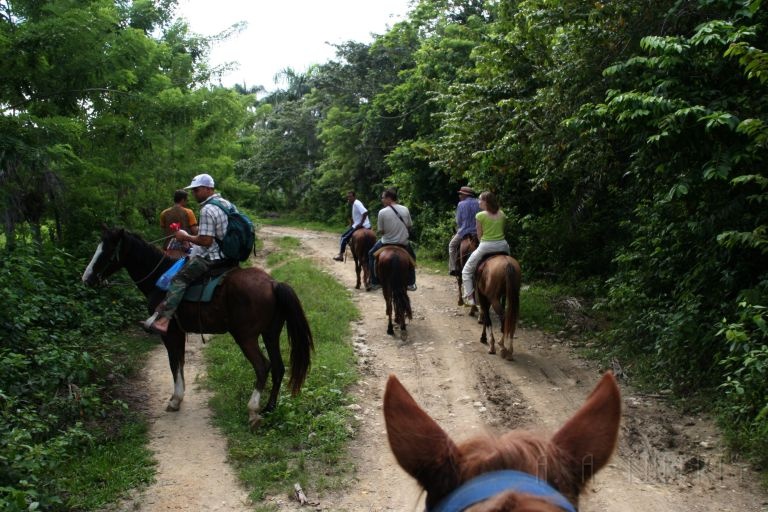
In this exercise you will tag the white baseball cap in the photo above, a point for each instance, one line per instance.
(201, 180)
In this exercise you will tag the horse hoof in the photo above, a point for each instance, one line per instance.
(254, 421)
(403, 336)
(492, 351)
(483, 341)
(172, 407)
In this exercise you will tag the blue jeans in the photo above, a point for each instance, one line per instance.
(345, 237)
(372, 263)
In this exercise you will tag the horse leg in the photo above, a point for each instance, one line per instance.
(366, 273)
(388, 300)
(461, 290)
(486, 314)
(506, 353)
(492, 345)
(174, 343)
(498, 308)
(277, 368)
(357, 269)
(400, 321)
(249, 345)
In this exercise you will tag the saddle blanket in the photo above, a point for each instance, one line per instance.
(202, 291)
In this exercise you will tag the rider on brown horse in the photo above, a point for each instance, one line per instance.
(359, 220)
(174, 218)
(394, 225)
(490, 231)
(206, 254)
(466, 210)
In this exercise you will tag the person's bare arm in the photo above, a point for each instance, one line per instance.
(202, 240)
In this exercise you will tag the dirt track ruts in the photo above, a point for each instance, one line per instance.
(666, 462)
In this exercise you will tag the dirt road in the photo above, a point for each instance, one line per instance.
(666, 462)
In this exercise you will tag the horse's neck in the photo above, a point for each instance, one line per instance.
(144, 265)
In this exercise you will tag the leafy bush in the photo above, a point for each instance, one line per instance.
(55, 360)
(745, 407)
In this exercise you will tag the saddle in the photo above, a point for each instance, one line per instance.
(201, 290)
(485, 259)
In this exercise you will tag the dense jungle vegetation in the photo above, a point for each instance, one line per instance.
(627, 141)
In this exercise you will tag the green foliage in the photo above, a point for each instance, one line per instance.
(286, 449)
(625, 140)
(57, 353)
(745, 365)
(110, 469)
(104, 117)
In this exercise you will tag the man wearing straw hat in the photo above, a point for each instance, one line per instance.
(466, 225)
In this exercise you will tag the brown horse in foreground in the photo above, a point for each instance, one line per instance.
(468, 245)
(360, 243)
(248, 304)
(497, 286)
(517, 471)
(393, 266)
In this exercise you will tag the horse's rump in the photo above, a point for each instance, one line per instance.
(361, 242)
(498, 289)
(393, 267)
(244, 300)
(485, 259)
(401, 251)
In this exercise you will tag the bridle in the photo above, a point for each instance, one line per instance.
(115, 257)
(490, 484)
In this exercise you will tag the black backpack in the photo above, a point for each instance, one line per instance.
(240, 238)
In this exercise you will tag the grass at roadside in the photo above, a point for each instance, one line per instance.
(304, 439)
(117, 459)
(290, 221)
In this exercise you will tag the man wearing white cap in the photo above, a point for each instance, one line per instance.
(206, 254)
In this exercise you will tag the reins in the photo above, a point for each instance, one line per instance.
(116, 258)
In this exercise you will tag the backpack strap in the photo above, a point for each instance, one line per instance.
(228, 212)
(218, 203)
(398, 215)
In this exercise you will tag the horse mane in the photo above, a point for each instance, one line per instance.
(519, 450)
(143, 250)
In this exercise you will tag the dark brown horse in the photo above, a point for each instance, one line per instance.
(360, 243)
(248, 304)
(468, 245)
(393, 266)
(497, 285)
(517, 471)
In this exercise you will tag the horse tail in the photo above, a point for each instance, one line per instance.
(398, 280)
(513, 299)
(299, 334)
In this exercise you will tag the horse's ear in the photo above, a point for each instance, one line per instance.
(104, 228)
(589, 437)
(421, 447)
